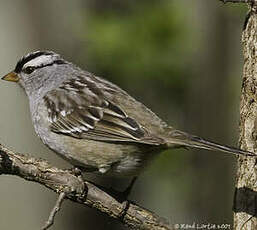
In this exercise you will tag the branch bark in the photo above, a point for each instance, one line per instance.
(83, 192)
(239, 1)
(245, 199)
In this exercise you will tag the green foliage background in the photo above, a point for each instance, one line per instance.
(181, 58)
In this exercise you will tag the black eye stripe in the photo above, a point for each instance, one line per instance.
(28, 70)
(58, 62)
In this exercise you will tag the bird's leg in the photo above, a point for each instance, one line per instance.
(77, 172)
(128, 190)
(122, 196)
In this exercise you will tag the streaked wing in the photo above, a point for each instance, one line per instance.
(79, 108)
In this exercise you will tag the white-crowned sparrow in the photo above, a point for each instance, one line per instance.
(93, 123)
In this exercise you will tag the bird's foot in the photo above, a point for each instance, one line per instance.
(80, 187)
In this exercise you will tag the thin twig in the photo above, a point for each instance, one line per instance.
(238, 1)
(54, 211)
(246, 222)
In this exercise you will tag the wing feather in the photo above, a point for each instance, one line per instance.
(80, 109)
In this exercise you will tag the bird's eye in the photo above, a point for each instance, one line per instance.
(29, 70)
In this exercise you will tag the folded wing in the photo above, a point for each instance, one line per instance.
(79, 108)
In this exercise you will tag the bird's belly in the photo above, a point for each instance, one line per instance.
(112, 159)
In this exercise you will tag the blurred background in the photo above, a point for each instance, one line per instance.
(181, 58)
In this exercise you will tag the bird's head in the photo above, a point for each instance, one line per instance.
(37, 69)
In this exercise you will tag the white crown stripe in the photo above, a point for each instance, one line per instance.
(39, 61)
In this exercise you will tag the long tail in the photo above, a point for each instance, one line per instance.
(179, 138)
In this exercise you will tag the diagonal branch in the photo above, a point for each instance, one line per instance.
(54, 211)
(239, 1)
(63, 181)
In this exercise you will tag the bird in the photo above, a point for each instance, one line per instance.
(94, 124)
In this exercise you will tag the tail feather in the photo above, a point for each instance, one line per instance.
(179, 138)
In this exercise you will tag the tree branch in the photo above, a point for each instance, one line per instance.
(54, 211)
(245, 199)
(239, 1)
(63, 181)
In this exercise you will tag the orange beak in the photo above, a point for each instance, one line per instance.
(12, 76)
